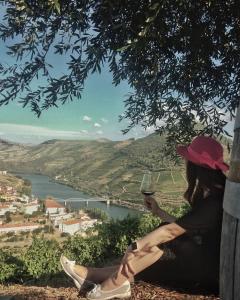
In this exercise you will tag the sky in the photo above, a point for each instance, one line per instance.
(94, 116)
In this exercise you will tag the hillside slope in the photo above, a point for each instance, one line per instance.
(97, 167)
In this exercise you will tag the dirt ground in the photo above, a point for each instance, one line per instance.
(140, 291)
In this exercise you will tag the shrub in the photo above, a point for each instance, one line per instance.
(42, 258)
(37, 231)
(65, 234)
(11, 268)
(179, 211)
(48, 229)
(7, 270)
(86, 251)
(10, 233)
(12, 239)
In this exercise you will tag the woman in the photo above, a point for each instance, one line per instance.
(184, 251)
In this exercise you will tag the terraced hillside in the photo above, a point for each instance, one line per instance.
(99, 167)
(21, 186)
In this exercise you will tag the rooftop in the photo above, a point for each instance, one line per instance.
(4, 206)
(17, 225)
(33, 204)
(50, 203)
(71, 222)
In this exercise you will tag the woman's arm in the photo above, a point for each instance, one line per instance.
(160, 235)
(152, 205)
(147, 246)
(166, 217)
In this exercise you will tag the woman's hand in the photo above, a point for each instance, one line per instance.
(126, 264)
(151, 204)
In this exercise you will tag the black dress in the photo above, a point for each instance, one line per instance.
(192, 259)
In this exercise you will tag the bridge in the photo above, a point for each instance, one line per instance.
(85, 200)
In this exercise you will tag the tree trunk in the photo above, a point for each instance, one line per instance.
(230, 243)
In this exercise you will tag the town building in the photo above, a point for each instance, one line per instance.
(18, 227)
(74, 226)
(29, 209)
(24, 198)
(57, 219)
(6, 207)
(87, 224)
(70, 226)
(53, 207)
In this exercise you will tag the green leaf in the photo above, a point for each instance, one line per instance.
(123, 48)
(57, 6)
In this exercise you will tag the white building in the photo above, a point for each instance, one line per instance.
(18, 227)
(73, 226)
(24, 198)
(5, 208)
(53, 207)
(57, 219)
(29, 209)
(87, 224)
(70, 226)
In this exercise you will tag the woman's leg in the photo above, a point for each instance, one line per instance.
(96, 275)
(110, 277)
(140, 261)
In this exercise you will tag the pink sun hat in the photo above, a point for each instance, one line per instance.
(204, 151)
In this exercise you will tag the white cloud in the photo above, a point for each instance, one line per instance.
(151, 129)
(87, 119)
(33, 134)
(97, 125)
(104, 120)
(84, 131)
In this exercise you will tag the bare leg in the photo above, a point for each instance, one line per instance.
(139, 262)
(96, 275)
(111, 277)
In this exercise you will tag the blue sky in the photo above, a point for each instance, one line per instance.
(94, 116)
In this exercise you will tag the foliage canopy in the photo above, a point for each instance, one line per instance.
(180, 58)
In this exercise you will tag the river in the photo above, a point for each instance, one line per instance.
(43, 186)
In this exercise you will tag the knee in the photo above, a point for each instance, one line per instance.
(155, 251)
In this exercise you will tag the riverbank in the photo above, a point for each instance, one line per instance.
(117, 202)
(130, 205)
(166, 200)
(44, 186)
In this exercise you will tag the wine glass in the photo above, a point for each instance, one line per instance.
(147, 186)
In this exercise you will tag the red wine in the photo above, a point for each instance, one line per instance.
(148, 193)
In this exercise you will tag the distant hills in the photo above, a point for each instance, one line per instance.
(95, 167)
(98, 167)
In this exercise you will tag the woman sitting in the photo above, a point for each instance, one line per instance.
(180, 252)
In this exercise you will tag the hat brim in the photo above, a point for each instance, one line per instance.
(183, 151)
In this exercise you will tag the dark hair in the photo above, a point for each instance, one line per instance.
(201, 179)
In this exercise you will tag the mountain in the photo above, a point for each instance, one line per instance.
(95, 167)
(98, 167)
